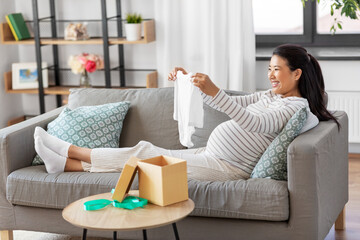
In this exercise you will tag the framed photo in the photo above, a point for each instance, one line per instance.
(25, 75)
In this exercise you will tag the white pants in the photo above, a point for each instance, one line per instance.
(201, 165)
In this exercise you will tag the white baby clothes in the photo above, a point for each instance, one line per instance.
(188, 108)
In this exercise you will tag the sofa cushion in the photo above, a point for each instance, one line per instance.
(33, 186)
(273, 162)
(257, 199)
(264, 199)
(150, 117)
(89, 126)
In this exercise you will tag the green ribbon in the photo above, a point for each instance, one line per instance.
(130, 202)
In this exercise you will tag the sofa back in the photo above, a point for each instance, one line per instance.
(150, 116)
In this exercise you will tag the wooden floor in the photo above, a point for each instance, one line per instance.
(352, 209)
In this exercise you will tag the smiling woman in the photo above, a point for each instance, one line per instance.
(234, 146)
(302, 74)
(283, 80)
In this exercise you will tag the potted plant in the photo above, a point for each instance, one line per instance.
(133, 26)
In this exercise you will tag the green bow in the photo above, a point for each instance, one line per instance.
(129, 202)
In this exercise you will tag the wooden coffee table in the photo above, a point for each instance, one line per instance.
(116, 219)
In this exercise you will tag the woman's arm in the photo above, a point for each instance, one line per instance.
(210, 90)
(243, 101)
(264, 122)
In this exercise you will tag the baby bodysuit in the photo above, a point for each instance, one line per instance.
(188, 108)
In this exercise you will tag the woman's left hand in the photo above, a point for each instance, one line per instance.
(203, 82)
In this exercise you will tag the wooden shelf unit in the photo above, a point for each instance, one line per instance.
(8, 38)
(151, 82)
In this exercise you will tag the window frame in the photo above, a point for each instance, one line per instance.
(310, 37)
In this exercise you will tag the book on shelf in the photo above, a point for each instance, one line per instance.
(18, 26)
(11, 28)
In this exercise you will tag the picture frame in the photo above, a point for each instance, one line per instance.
(25, 76)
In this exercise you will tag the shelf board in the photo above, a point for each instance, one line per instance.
(151, 82)
(149, 36)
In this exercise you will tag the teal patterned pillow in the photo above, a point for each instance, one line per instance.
(273, 163)
(89, 126)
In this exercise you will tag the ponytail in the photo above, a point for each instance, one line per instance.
(318, 105)
(311, 83)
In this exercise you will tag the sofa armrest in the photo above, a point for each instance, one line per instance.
(318, 177)
(17, 142)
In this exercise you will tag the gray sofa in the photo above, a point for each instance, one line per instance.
(304, 207)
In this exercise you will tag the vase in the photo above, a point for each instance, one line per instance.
(84, 80)
(133, 31)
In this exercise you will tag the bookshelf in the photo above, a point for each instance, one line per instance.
(151, 82)
(7, 38)
(58, 90)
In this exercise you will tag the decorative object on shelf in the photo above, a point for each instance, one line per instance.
(18, 26)
(25, 75)
(84, 80)
(133, 27)
(84, 63)
(76, 31)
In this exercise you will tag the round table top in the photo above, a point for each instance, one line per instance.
(116, 219)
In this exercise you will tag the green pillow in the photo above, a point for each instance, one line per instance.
(273, 163)
(89, 126)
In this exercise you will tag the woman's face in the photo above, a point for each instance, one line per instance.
(282, 79)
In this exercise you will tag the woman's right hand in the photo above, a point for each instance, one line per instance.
(172, 74)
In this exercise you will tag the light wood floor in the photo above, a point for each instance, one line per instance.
(352, 209)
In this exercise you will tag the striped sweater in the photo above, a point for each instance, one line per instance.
(256, 120)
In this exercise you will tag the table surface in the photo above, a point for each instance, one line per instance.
(117, 219)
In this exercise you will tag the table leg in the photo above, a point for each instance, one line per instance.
(175, 231)
(84, 234)
(115, 235)
(144, 234)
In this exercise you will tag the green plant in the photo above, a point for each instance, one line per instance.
(351, 9)
(133, 18)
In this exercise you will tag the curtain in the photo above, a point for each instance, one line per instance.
(214, 37)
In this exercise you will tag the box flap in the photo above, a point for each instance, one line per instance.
(125, 180)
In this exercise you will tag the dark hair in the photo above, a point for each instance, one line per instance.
(311, 83)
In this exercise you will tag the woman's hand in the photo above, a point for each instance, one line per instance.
(203, 82)
(172, 74)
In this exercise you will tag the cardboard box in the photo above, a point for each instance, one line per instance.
(126, 178)
(163, 180)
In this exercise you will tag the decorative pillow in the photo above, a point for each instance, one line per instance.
(273, 163)
(89, 126)
(311, 122)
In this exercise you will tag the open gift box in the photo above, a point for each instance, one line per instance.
(162, 180)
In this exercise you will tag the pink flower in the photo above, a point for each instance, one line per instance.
(82, 60)
(85, 62)
(90, 66)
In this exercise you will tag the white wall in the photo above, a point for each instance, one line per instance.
(136, 56)
(340, 77)
(10, 104)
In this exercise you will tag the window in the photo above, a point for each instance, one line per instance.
(269, 18)
(287, 21)
(324, 20)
